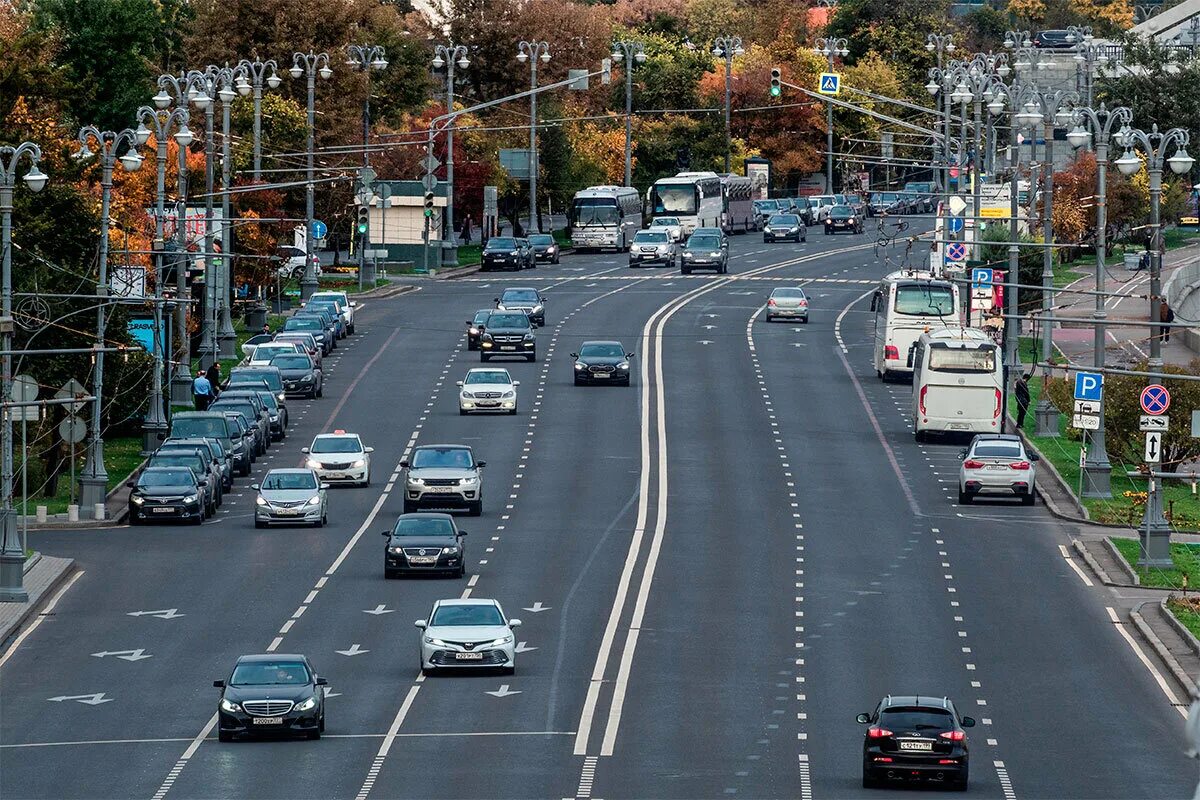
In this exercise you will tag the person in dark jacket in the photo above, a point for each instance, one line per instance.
(1021, 390)
(214, 378)
(1165, 314)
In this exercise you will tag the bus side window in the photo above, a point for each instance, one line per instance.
(875, 301)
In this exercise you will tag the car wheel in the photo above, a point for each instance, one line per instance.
(133, 519)
(531, 357)
(484, 358)
(462, 412)
(627, 380)
(578, 382)
(685, 270)
(462, 571)
(198, 519)
(224, 736)
(964, 498)
(508, 670)
(475, 509)
(321, 390)
(314, 735)
(389, 574)
(1028, 498)
(869, 782)
(512, 413)
(321, 724)
(258, 523)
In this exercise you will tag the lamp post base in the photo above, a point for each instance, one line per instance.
(1155, 532)
(308, 286)
(449, 254)
(226, 343)
(12, 577)
(1046, 416)
(1097, 479)
(153, 434)
(93, 489)
(181, 390)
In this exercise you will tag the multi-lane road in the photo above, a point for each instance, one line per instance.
(717, 569)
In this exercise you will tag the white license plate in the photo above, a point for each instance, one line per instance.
(468, 656)
(422, 559)
(335, 475)
(287, 512)
(600, 375)
(998, 467)
(441, 489)
(916, 745)
(163, 510)
(268, 720)
(960, 426)
(508, 347)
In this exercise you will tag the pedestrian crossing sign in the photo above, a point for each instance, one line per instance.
(831, 83)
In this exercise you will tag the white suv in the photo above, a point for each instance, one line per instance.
(348, 305)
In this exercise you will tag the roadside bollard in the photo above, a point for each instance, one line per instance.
(41, 514)
(72, 513)
(98, 513)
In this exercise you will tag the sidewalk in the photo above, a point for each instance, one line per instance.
(43, 575)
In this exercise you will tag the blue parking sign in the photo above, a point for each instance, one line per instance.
(1089, 385)
(981, 278)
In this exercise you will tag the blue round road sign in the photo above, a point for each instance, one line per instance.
(319, 229)
(956, 224)
(1155, 399)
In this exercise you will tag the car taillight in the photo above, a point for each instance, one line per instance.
(921, 399)
(973, 464)
(996, 412)
(1019, 465)
(891, 351)
(954, 736)
(875, 732)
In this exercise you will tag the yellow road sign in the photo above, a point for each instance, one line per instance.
(993, 213)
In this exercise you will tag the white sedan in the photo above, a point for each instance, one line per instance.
(263, 353)
(672, 225)
(997, 463)
(340, 457)
(487, 389)
(468, 633)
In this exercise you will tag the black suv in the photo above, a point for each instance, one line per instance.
(915, 738)
(508, 333)
(424, 542)
(506, 252)
(271, 693)
(475, 327)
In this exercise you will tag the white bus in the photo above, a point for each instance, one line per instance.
(695, 197)
(605, 216)
(958, 381)
(907, 304)
(739, 203)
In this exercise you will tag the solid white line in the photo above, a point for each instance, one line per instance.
(390, 737)
(837, 325)
(41, 616)
(1158, 678)
(1086, 580)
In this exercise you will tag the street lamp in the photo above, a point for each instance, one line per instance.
(533, 52)
(365, 58)
(12, 554)
(728, 47)
(252, 76)
(628, 52)
(449, 56)
(159, 123)
(93, 482)
(1096, 469)
(829, 47)
(229, 82)
(310, 65)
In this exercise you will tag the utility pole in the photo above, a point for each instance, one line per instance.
(727, 47)
(12, 555)
(365, 58)
(251, 77)
(93, 483)
(448, 56)
(532, 52)
(941, 44)
(830, 47)
(310, 65)
(628, 52)
(202, 92)
(228, 80)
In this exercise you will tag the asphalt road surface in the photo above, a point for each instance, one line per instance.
(717, 569)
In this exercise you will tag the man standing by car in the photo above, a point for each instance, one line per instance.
(202, 391)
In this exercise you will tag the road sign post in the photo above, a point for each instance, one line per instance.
(1155, 534)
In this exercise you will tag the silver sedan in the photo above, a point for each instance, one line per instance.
(787, 303)
(290, 497)
(997, 464)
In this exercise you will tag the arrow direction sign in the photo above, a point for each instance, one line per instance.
(354, 650)
(90, 699)
(379, 609)
(1153, 446)
(503, 691)
(430, 163)
(126, 655)
(537, 608)
(523, 648)
(162, 613)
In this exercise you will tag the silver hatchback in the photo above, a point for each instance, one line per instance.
(997, 464)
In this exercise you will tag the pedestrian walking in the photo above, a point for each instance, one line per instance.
(202, 391)
(214, 379)
(1165, 314)
(1021, 390)
(466, 229)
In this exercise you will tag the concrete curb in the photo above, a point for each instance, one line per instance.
(1092, 563)
(380, 292)
(1051, 504)
(1177, 670)
(35, 605)
(1179, 627)
(1124, 565)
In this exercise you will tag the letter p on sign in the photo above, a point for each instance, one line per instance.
(1089, 385)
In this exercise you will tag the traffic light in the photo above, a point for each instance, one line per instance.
(776, 86)
(429, 204)
(363, 219)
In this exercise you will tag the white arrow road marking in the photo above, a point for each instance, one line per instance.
(354, 650)
(712, 316)
(799, 344)
(92, 699)
(162, 613)
(709, 327)
(331, 693)
(523, 648)
(503, 691)
(705, 341)
(379, 609)
(537, 608)
(127, 655)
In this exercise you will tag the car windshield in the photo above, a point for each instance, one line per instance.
(289, 480)
(924, 300)
(601, 351)
(328, 308)
(237, 404)
(791, 294)
(998, 450)
(336, 444)
(664, 221)
(156, 478)
(270, 673)
(508, 321)
(423, 526)
(239, 383)
(650, 237)
(191, 461)
(449, 457)
(784, 219)
(501, 243)
(541, 238)
(303, 324)
(962, 359)
(481, 317)
(264, 351)
(487, 376)
(519, 296)
(464, 616)
(198, 427)
(840, 211)
(292, 362)
(889, 197)
(916, 719)
(765, 205)
(678, 197)
(186, 449)
(703, 243)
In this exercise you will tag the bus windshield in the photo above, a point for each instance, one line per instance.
(595, 211)
(673, 198)
(962, 359)
(924, 300)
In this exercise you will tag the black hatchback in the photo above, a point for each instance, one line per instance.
(915, 739)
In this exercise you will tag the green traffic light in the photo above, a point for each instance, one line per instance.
(362, 227)
(775, 91)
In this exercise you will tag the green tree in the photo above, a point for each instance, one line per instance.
(894, 30)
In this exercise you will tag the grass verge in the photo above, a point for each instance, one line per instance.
(1185, 557)
(122, 455)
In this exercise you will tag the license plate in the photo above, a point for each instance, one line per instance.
(468, 656)
(998, 467)
(916, 745)
(287, 512)
(422, 559)
(268, 720)
(600, 375)
(441, 489)
(163, 510)
(335, 474)
(959, 426)
(508, 347)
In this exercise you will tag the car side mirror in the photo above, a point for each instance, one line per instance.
(1034, 457)
(462, 533)
(574, 355)
(322, 681)
(458, 383)
(863, 719)
(968, 722)
(875, 301)
(131, 484)
(369, 450)
(353, 303)
(496, 300)
(516, 383)
(962, 455)
(481, 464)
(422, 624)
(629, 355)
(514, 623)
(324, 486)
(469, 322)
(404, 465)
(255, 486)
(303, 449)
(385, 533)
(219, 684)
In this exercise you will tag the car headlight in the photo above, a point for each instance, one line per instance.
(503, 640)
(191, 498)
(552, 248)
(315, 500)
(508, 395)
(434, 642)
(312, 463)
(137, 501)
(227, 705)
(416, 482)
(307, 703)
(471, 479)
(259, 501)
(529, 337)
(449, 551)
(794, 229)
(513, 252)
(580, 365)
(281, 397)
(766, 229)
(687, 254)
(362, 462)
(622, 365)
(473, 331)
(467, 395)
(306, 379)
(486, 342)
(538, 309)
(715, 254)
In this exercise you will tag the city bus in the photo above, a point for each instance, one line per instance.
(906, 304)
(695, 197)
(958, 383)
(739, 204)
(605, 216)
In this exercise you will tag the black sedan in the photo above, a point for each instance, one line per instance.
(544, 247)
(424, 543)
(601, 362)
(782, 227)
(475, 327)
(271, 693)
(915, 739)
(506, 252)
(162, 493)
(300, 375)
(843, 218)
